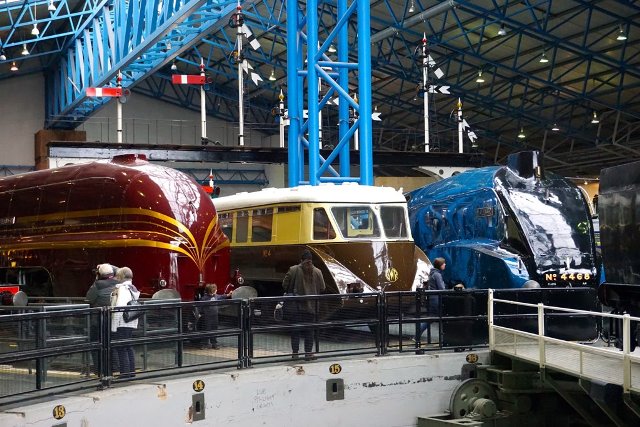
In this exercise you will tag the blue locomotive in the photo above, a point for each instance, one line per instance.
(513, 226)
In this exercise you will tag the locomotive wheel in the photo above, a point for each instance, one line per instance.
(473, 395)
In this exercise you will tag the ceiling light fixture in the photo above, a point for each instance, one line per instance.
(621, 34)
(555, 127)
(480, 79)
(14, 67)
(521, 135)
(25, 51)
(502, 31)
(544, 58)
(52, 7)
(412, 7)
(595, 119)
(272, 77)
(35, 31)
(332, 48)
(174, 67)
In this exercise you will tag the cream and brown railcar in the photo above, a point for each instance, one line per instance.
(359, 237)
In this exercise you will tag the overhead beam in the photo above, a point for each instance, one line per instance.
(196, 153)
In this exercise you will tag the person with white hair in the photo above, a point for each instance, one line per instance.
(99, 294)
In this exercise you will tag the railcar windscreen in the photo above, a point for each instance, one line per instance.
(393, 221)
(356, 221)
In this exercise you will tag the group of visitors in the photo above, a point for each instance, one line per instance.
(306, 279)
(114, 287)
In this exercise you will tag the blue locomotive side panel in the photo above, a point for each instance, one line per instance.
(507, 227)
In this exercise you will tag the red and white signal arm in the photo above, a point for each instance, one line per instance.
(190, 79)
(105, 91)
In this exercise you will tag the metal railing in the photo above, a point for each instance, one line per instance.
(47, 348)
(599, 363)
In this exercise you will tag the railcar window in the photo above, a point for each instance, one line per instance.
(393, 221)
(322, 228)
(356, 221)
(226, 223)
(242, 226)
(261, 225)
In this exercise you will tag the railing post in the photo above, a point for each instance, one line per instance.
(418, 311)
(246, 338)
(106, 353)
(541, 335)
(492, 337)
(626, 347)
(382, 324)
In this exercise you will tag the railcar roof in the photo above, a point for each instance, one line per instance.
(109, 168)
(323, 193)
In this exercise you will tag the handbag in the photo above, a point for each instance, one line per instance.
(133, 310)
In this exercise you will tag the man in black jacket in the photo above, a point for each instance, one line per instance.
(99, 295)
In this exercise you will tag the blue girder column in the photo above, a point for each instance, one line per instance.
(304, 134)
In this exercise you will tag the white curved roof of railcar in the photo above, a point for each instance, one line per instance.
(323, 193)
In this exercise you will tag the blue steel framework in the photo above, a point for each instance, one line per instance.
(588, 70)
(318, 65)
(134, 38)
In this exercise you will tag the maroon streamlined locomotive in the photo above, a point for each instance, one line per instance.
(56, 225)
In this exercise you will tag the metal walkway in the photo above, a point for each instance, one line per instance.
(587, 361)
(601, 384)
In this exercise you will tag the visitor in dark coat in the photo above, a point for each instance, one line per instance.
(304, 279)
(99, 294)
(434, 283)
(210, 314)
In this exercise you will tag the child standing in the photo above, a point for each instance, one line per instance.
(210, 314)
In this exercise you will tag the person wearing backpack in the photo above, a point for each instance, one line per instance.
(124, 292)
